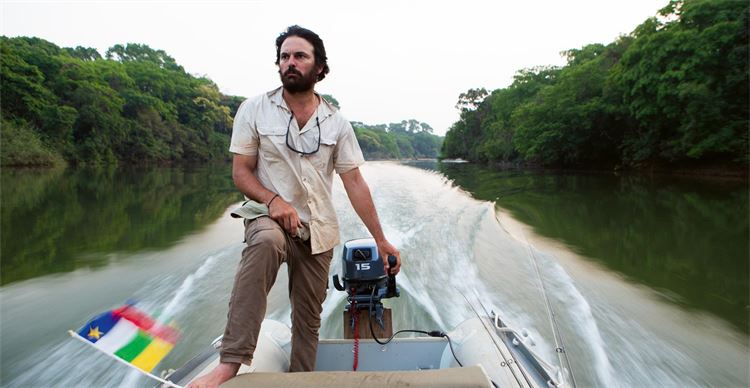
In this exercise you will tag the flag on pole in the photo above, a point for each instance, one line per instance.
(130, 335)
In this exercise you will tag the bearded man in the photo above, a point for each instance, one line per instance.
(287, 143)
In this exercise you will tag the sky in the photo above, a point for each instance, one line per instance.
(389, 60)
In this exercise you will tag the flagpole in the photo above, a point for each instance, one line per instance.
(84, 340)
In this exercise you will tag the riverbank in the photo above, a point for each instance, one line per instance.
(733, 171)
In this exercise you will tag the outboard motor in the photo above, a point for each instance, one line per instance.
(365, 280)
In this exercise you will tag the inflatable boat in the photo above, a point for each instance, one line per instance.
(479, 352)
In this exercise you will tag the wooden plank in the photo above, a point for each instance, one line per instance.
(364, 326)
(467, 377)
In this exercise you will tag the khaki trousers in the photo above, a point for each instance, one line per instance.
(268, 246)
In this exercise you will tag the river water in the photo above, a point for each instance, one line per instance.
(648, 277)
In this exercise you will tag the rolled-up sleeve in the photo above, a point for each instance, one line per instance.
(244, 134)
(347, 154)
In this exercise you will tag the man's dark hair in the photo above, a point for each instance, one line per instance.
(319, 49)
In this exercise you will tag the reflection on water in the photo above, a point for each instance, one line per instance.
(59, 220)
(685, 237)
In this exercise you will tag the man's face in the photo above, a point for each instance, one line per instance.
(297, 67)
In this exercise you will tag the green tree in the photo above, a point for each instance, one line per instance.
(573, 121)
(83, 53)
(138, 105)
(674, 91)
(471, 99)
(407, 139)
(685, 80)
(133, 52)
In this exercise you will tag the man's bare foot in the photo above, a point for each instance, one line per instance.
(223, 372)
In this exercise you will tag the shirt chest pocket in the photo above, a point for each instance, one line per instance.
(323, 159)
(272, 141)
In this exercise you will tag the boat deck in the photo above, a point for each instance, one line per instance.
(473, 377)
(489, 360)
(403, 354)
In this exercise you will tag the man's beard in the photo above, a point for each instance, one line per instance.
(301, 83)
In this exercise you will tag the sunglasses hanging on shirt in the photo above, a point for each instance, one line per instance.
(289, 145)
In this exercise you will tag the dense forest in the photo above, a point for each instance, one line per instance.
(673, 93)
(133, 105)
(405, 140)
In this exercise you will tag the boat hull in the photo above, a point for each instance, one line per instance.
(490, 356)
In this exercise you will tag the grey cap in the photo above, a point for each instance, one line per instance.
(252, 210)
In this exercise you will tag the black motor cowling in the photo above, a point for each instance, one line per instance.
(364, 277)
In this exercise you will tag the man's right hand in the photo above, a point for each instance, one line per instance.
(243, 168)
(285, 215)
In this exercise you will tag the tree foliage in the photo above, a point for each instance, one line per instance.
(686, 82)
(405, 140)
(674, 91)
(137, 105)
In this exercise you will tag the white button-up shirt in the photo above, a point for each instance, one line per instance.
(304, 181)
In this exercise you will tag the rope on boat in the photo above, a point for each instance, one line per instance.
(538, 358)
(355, 350)
(488, 314)
(559, 346)
(506, 359)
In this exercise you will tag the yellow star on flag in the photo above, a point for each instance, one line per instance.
(94, 332)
